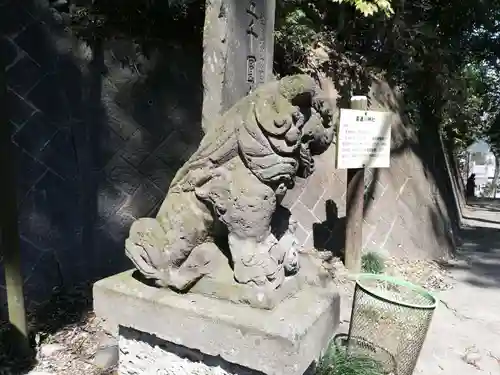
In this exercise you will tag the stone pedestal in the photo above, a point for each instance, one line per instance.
(162, 332)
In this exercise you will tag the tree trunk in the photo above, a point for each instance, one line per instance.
(495, 177)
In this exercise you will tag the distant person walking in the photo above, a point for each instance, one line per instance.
(471, 186)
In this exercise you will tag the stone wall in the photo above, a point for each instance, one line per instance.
(405, 213)
(98, 137)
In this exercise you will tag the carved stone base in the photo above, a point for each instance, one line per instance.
(200, 333)
(142, 353)
(220, 284)
(247, 294)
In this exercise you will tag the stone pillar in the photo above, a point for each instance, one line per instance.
(238, 51)
(214, 58)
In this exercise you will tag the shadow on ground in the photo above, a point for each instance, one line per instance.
(65, 308)
(14, 355)
(479, 253)
(486, 204)
(486, 221)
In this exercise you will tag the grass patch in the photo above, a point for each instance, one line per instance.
(372, 262)
(337, 361)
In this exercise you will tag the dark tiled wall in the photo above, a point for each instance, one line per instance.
(96, 141)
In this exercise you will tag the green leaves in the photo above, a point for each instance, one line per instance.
(372, 262)
(369, 8)
(337, 361)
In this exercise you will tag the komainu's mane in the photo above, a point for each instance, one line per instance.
(258, 128)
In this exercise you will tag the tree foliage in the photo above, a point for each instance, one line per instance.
(471, 98)
(369, 8)
(137, 20)
(441, 54)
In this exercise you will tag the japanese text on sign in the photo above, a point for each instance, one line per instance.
(363, 139)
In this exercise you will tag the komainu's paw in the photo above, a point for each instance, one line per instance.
(203, 260)
(145, 245)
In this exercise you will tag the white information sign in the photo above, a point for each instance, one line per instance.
(363, 139)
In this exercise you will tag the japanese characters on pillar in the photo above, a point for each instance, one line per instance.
(250, 43)
(256, 66)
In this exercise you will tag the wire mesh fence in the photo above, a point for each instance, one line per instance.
(389, 322)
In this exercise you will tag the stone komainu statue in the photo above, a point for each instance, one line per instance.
(231, 187)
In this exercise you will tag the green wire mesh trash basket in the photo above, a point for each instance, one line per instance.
(392, 315)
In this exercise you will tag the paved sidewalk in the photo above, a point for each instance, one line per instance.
(464, 337)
